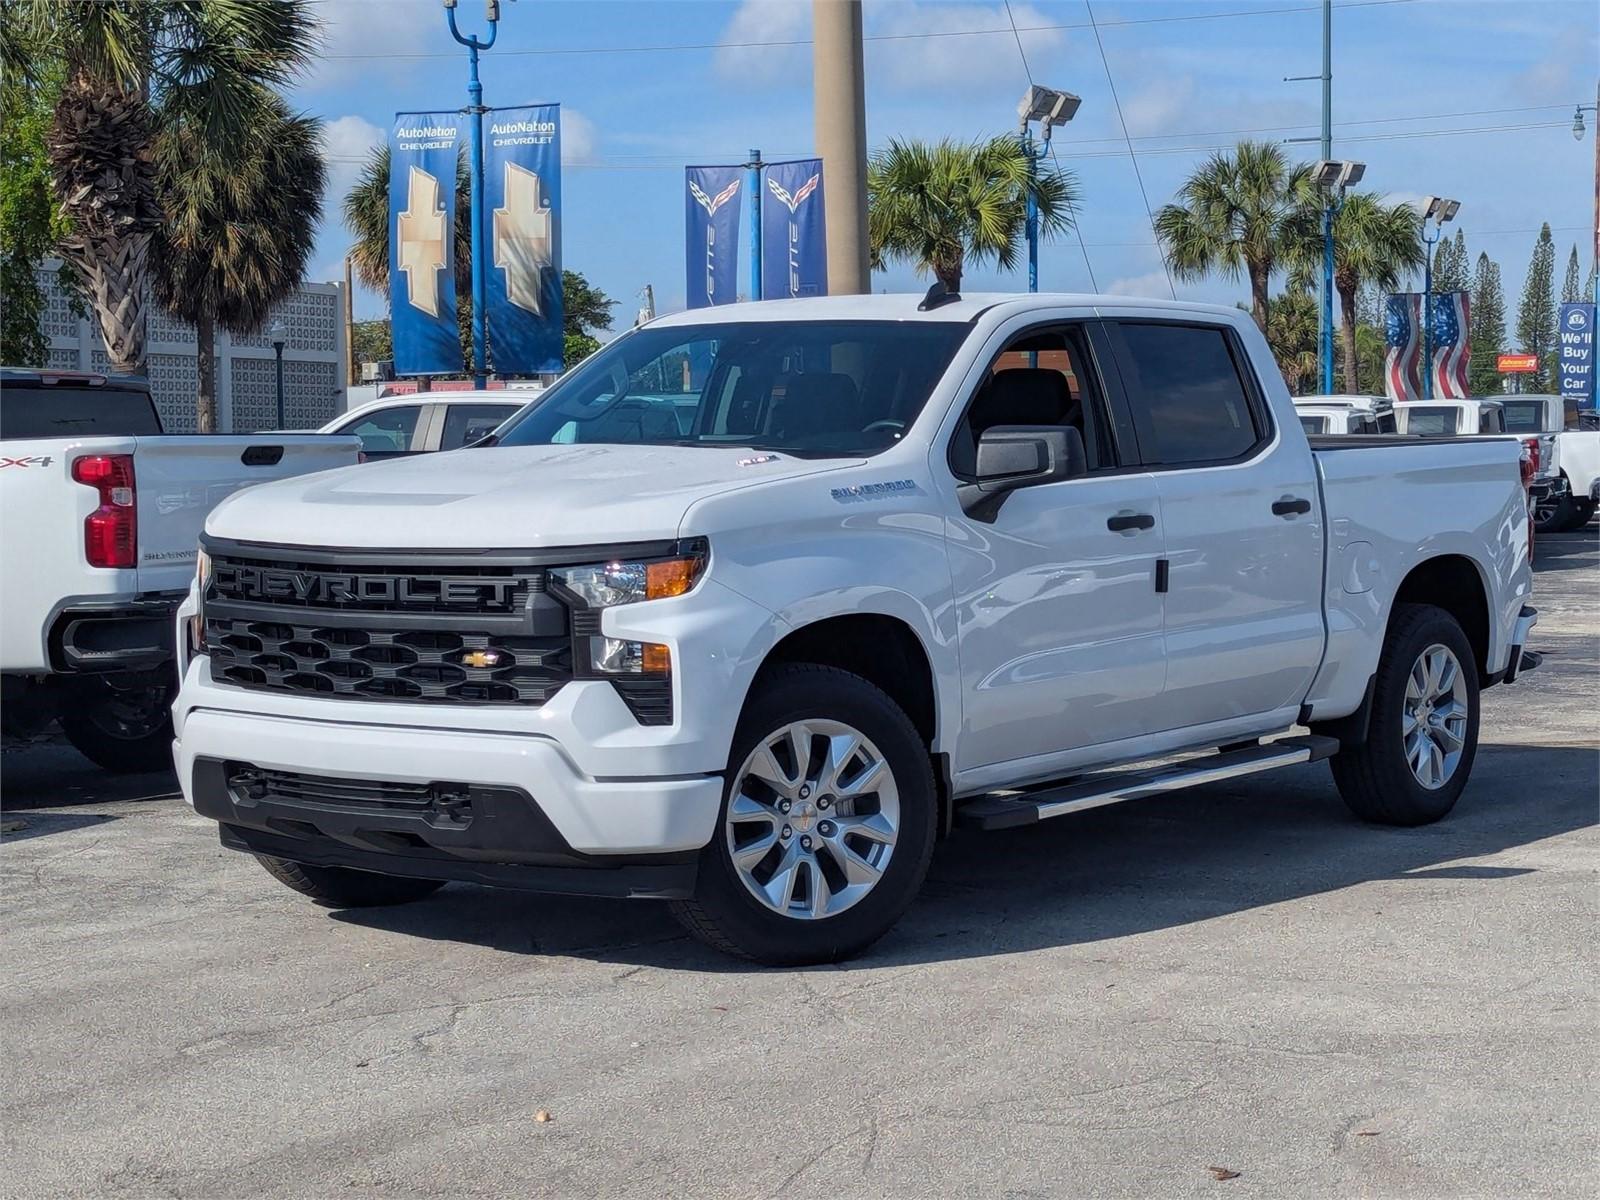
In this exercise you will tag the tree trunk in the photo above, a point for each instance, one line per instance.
(1260, 279)
(205, 337)
(1347, 339)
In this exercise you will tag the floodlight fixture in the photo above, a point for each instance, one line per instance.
(1331, 173)
(1047, 106)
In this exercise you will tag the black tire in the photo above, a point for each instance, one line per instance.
(1557, 516)
(1375, 778)
(724, 914)
(123, 729)
(339, 887)
(1582, 514)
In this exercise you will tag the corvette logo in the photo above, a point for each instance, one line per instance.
(712, 203)
(793, 202)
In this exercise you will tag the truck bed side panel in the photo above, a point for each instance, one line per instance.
(1394, 504)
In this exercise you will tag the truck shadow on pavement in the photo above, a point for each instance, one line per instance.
(1108, 873)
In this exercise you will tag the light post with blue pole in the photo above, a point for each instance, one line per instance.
(475, 111)
(1049, 108)
(1334, 176)
(753, 167)
(1435, 212)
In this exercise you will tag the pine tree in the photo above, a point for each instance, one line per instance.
(1450, 265)
(1536, 314)
(1569, 286)
(1488, 328)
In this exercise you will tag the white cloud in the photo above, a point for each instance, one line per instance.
(578, 136)
(1161, 108)
(1151, 283)
(374, 32)
(346, 142)
(914, 61)
(766, 21)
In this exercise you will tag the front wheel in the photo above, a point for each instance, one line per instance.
(1422, 733)
(827, 823)
(123, 728)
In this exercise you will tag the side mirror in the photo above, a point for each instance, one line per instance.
(1017, 456)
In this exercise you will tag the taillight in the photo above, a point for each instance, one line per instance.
(1534, 456)
(111, 532)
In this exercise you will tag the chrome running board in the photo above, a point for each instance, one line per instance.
(1005, 810)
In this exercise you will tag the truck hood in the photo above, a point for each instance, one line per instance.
(506, 496)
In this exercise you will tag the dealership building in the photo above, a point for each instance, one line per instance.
(314, 358)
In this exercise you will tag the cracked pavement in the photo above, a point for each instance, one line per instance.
(1112, 1004)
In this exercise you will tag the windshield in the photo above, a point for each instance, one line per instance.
(813, 388)
(60, 410)
(1524, 416)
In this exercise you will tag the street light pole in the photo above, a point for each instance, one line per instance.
(1049, 108)
(1327, 212)
(475, 111)
(753, 169)
(1577, 132)
(279, 336)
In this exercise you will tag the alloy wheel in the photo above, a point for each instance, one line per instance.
(1434, 716)
(813, 819)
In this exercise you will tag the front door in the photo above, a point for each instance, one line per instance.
(1056, 605)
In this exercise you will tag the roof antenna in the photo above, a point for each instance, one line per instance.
(938, 296)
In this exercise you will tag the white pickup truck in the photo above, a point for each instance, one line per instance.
(1569, 466)
(99, 516)
(876, 568)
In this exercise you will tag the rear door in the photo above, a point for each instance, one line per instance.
(1241, 516)
(179, 480)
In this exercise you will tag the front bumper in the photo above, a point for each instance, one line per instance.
(530, 812)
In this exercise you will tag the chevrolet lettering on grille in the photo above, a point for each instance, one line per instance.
(317, 587)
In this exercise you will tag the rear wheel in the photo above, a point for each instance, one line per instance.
(124, 728)
(1583, 513)
(339, 887)
(1422, 735)
(827, 823)
(1556, 514)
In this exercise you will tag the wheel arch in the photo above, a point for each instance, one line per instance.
(1455, 583)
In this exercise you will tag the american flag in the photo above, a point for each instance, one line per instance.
(1452, 347)
(1402, 335)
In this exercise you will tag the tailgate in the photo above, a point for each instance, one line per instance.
(180, 479)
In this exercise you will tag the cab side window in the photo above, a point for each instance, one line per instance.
(1040, 377)
(1188, 393)
(387, 431)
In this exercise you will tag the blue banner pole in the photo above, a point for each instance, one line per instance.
(475, 111)
(754, 184)
(1427, 312)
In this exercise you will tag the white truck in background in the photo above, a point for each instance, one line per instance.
(1568, 480)
(100, 514)
(872, 568)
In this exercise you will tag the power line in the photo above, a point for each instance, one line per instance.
(1482, 112)
(1132, 157)
(780, 43)
(1072, 209)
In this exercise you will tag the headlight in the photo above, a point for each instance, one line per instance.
(202, 570)
(197, 622)
(605, 585)
(597, 586)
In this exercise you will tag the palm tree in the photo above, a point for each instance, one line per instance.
(943, 205)
(131, 68)
(1373, 242)
(1292, 325)
(1234, 216)
(237, 230)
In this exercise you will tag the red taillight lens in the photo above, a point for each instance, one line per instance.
(111, 532)
(1531, 460)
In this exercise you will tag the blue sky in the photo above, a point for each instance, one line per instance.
(1506, 71)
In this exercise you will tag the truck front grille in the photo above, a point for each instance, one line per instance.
(451, 630)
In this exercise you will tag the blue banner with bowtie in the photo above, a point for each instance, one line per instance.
(422, 215)
(712, 205)
(522, 220)
(794, 240)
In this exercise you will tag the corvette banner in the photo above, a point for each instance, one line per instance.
(422, 214)
(522, 217)
(712, 203)
(794, 242)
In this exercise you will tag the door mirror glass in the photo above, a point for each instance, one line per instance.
(1018, 456)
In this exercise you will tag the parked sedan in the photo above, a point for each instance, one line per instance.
(422, 422)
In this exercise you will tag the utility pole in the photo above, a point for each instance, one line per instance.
(839, 86)
(475, 111)
(1327, 212)
(753, 186)
(349, 325)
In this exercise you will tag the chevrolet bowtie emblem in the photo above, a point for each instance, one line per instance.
(421, 236)
(480, 658)
(522, 239)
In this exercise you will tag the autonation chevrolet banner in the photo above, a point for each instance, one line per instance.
(422, 212)
(522, 192)
(1575, 346)
(794, 243)
(712, 206)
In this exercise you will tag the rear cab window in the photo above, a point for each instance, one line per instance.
(1192, 397)
(387, 431)
(1428, 421)
(43, 410)
(468, 423)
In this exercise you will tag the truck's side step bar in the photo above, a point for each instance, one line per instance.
(1002, 811)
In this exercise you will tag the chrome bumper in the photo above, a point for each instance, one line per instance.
(1522, 660)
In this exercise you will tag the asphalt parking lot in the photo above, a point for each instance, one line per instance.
(1130, 1002)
